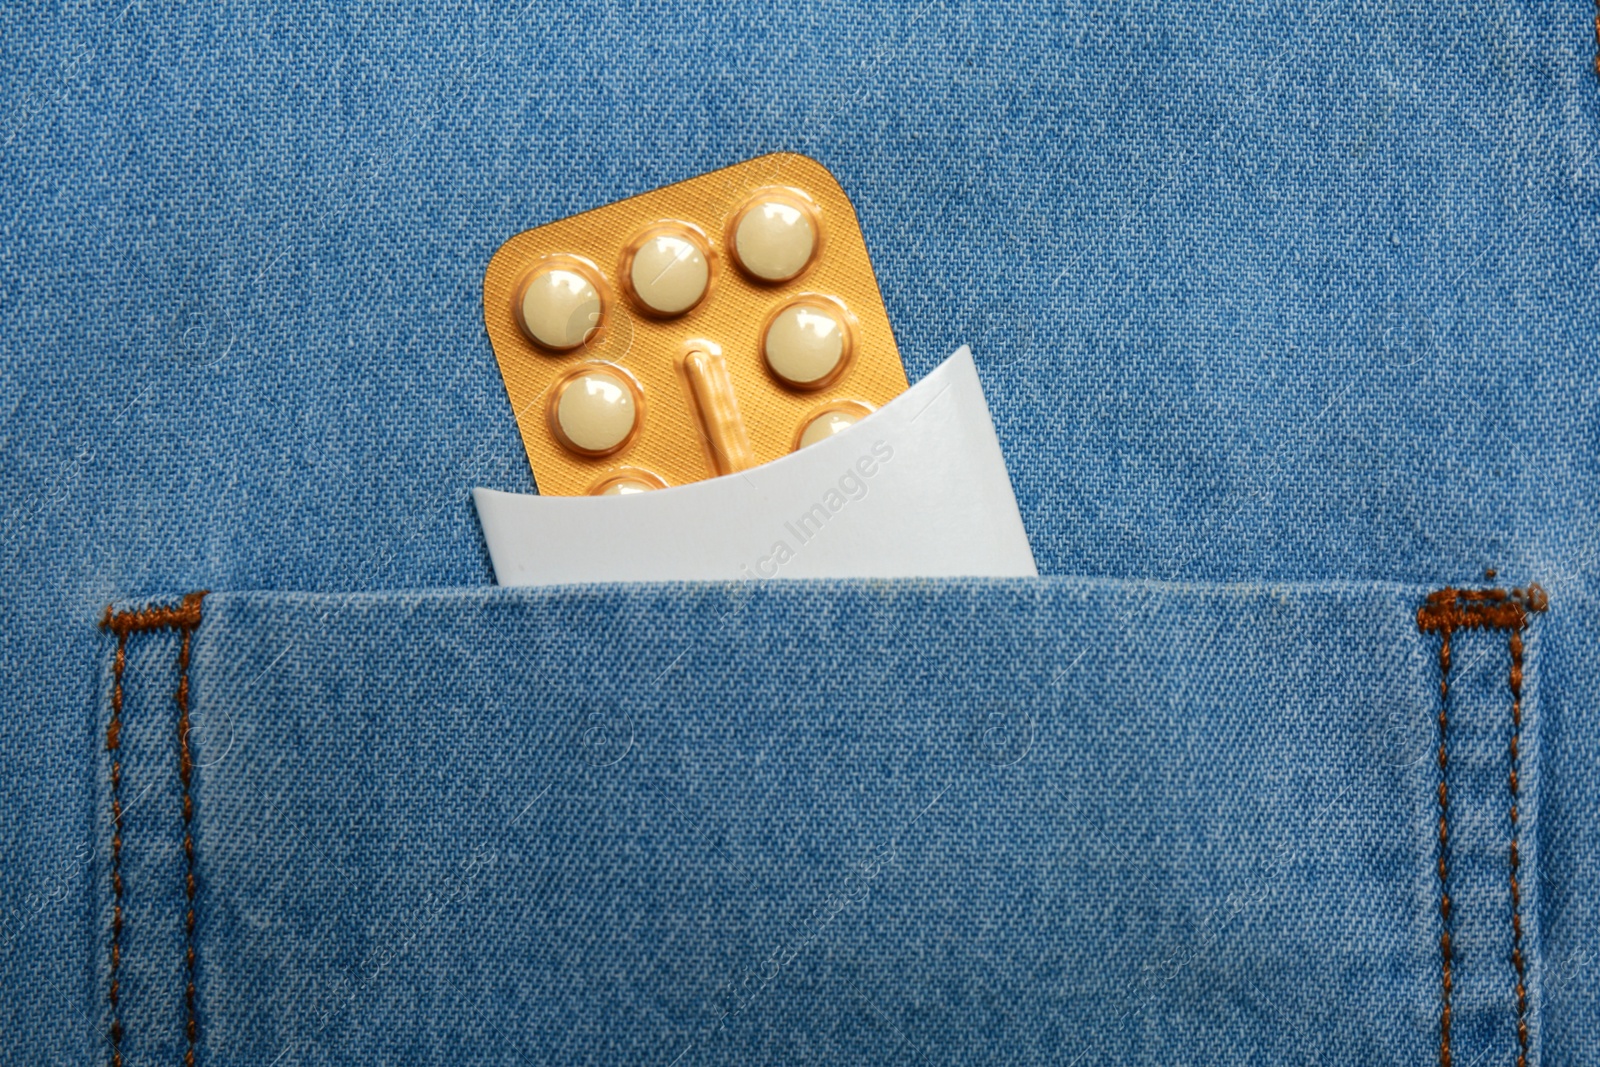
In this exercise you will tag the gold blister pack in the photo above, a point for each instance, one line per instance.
(614, 394)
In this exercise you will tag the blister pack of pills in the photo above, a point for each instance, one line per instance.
(693, 331)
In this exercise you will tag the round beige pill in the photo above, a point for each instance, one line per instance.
(669, 274)
(805, 344)
(596, 412)
(625, 487)
(627, 482)
(774, 240)
(559, 308)
(826, 425)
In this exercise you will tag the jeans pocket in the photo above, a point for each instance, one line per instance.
(1035, 820)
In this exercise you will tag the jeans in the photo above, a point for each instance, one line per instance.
(1285, 316)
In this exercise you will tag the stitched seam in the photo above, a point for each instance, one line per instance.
(1446, 978)
(1445, 612)
(185, 618)
(185, 766)
(114, 745)
(1516, 890)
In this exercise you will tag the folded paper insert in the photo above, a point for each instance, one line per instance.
(917, 489)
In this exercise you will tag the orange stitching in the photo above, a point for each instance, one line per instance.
(1449, 610)
(185, 766)
(186, 618)
(1444, 845)
(114, 745)
(1516, 890)
(1445, 612)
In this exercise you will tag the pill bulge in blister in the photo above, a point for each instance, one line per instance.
(626, 482)
(775, 236)
(668, 269)
(693, 331)
(560, 305)
(831, 421)
(624, 487)
(596, 410)
(807, 342)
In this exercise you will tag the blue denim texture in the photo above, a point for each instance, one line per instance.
(1260, 293)
(576, 831)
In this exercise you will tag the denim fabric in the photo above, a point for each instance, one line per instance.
(1570, 834)
(1260, 293)
(624, 825)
